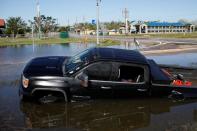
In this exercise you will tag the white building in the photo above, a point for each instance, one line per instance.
(164, 27)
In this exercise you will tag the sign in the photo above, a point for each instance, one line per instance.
(94, 22)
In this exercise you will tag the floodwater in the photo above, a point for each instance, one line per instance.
(92, 115)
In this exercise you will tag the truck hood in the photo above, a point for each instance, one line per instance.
(45, 66)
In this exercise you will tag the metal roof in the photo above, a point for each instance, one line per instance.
(165, 24)
(119, 55)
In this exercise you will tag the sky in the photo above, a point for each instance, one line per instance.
(72, 11)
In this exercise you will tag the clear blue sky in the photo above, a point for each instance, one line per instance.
(164, 10)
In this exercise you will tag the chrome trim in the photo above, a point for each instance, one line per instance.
(118, 82)
(173, 86)
(106, 88)
(142, 90)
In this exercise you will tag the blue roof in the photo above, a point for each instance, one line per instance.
(165, 24)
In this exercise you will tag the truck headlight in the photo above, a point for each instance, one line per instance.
(25, 81)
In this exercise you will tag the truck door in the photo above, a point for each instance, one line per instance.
(99, 75)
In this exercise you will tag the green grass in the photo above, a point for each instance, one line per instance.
(167, 35)
(28, 41)
(108, 42)
(176, 35)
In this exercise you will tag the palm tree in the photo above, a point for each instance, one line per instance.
(14, 25)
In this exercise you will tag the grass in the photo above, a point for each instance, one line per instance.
(167, 35)
(105, 42)
(176, 35)
(28, 41)
(108, 43)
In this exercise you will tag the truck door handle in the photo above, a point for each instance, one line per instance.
(104, 87)
(142, 90)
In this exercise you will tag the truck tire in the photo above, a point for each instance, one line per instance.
(53, 96)
(176, 95)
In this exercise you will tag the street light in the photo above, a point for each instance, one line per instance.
(97, 21)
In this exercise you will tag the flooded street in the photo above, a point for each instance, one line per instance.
(92, 115)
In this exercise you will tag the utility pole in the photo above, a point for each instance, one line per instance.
(76, 25)
(126, 16)
(97, 21)
(38, 18)
(68, 22)
(57, 21)
(76, 20)
(84, 29)
(32, 31)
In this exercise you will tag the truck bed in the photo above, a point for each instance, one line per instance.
(189, 73)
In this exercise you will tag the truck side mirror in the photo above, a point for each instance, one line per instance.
(180, 77)
(83, 79)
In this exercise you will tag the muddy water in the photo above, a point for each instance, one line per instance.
(97, 115)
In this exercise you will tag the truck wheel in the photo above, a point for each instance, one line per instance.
(176, 95)
(53, 96)
(48, 99)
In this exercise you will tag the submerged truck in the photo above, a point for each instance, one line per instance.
(98, 73)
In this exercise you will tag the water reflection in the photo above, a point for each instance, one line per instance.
(128, 45)
(23, 53)
(114, 115)
(15, 54)
(182, 59)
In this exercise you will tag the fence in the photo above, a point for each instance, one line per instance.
(35, 35)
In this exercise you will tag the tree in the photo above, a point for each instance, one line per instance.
(46, 23)
(113, 25)
(15, 25)
(64, 28)
(83, 26)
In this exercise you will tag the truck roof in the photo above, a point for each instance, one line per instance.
(118, 55)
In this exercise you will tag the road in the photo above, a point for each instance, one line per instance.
(142, 40)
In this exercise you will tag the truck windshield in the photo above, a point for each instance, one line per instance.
(77, 61)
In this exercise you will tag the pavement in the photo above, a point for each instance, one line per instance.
(143, 40)
(155, 45)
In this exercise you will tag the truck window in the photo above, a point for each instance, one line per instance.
(131, 74)
(99, 71)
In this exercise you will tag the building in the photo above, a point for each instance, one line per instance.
(2, 23)
(113, 32)
(163, 27)
(2, 26)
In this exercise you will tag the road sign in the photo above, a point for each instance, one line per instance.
(94, 22)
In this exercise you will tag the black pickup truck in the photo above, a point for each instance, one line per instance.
(99, 72)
